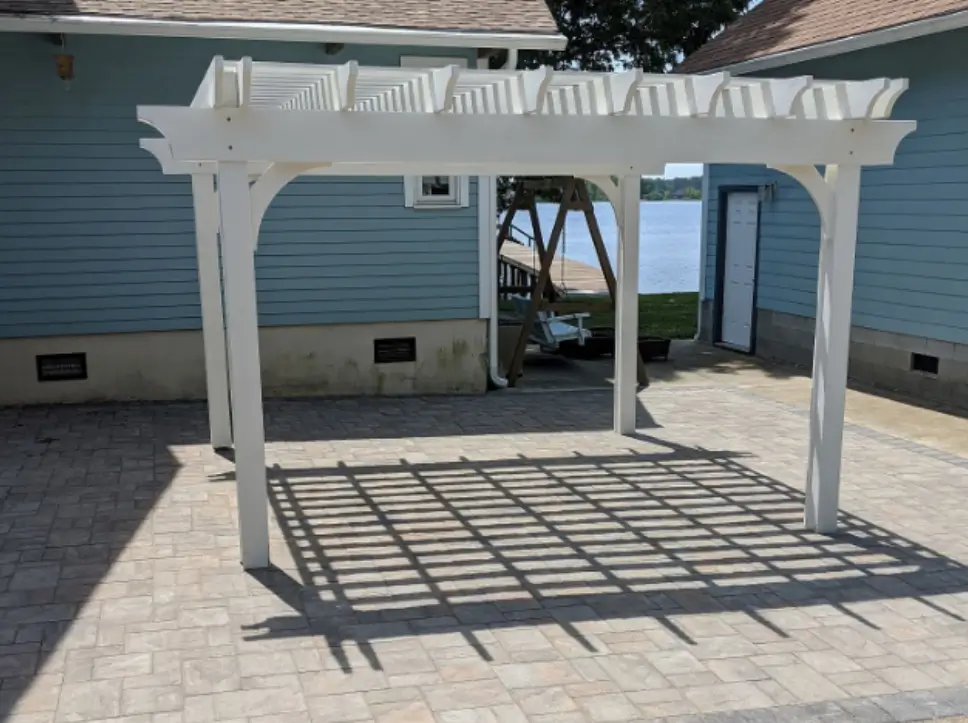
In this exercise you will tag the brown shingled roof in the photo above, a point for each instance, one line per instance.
(525, 16)
(778, 26)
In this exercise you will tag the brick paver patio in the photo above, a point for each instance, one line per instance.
(485, 560)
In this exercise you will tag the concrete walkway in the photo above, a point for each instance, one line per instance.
(496, 559)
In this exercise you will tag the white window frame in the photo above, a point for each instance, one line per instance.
(460, 186)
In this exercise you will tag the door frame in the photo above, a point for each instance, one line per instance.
(721, 227)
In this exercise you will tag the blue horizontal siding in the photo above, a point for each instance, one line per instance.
(912, 247)
(94, 239)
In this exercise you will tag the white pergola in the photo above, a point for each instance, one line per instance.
(253, 127)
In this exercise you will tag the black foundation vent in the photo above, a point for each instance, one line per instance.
(394, 351)
(924, 363)
(61, 367)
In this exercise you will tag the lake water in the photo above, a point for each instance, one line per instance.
(670, 246)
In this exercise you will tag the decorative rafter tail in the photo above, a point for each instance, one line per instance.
(443, 85)
(785, 95)
(243, 74)
(883, 105)
(705, 91)
(533, 89)
(858, 98)
(346, 76)
(620, 91)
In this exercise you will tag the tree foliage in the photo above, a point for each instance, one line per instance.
(607, 35)
(649, 34)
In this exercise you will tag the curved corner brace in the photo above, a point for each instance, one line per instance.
(267, 186)
(815, 184)
(612, 192)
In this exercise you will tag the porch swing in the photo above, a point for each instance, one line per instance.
(547, 321)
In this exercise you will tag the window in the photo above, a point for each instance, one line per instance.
(435, 191)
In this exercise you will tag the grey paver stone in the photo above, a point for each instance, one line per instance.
(89, 701)
(338, 708)
(531, 675)
(612, 707)
(537, 701)
(211, 675)
(470, 694)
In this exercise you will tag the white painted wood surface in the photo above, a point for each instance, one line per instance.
(627, 305)
(244, 364)
(835, 288)
(213, 322)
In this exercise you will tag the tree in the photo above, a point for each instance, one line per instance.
(649, 34)
(613, 34)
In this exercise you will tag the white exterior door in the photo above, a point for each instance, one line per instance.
(739, 274)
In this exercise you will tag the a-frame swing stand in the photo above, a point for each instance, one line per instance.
(574, 197)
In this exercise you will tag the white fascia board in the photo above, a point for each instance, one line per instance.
(898, 33)
(284, 32)
(494, 145)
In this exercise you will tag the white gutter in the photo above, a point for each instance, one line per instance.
(287, 32)
(908, 31)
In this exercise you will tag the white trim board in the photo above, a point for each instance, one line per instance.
(285, 32)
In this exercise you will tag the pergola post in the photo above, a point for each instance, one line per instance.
(245, 375)
(831, 345)
(627, 305)
(213, 325)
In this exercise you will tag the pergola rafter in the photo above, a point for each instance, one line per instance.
(255, 126)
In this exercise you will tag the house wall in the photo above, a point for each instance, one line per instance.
(911, 277)
(95, 243)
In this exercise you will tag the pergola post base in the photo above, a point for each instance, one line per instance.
(627, 305)
(245, 373)
(838, 213)
(213, 324)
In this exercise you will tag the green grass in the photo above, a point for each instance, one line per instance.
(667, 315)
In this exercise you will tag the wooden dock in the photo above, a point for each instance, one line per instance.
(519, 266)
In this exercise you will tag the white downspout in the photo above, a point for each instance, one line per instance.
(488, 208)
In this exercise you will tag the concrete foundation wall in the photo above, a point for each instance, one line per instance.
(878, 358)
(332, 360)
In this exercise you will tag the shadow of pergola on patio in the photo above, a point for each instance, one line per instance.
(471, 546)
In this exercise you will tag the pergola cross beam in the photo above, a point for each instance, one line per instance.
(273, 122)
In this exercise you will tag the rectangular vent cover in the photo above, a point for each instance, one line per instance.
(61, 367)
(924, 363)
(393, 351)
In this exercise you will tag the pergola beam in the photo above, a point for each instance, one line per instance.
(499, 145)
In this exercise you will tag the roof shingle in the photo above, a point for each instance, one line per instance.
(525, 16)
(777, 26)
